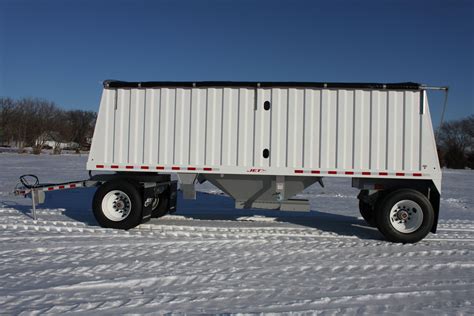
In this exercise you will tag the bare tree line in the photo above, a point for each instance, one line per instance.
(455, 141)
(31, 122)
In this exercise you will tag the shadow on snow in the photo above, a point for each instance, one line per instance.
(77, 205)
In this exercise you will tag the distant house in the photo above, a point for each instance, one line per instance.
(52, 140)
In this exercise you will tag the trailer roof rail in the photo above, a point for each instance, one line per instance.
(425, 87)
(263, 84)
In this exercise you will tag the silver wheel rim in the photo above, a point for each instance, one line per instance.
(116, 205)
(406, 216)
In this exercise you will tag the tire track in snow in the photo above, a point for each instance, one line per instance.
(22, 266)
(222, 248)
(42, 254)
(344, 296)
(212, 232)
(178, 267)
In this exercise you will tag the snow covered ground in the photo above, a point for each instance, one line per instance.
(210, 258)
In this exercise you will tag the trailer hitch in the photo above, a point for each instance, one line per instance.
(27, 182)
(30, 184)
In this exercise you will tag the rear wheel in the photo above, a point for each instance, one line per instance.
(117, 204)
(405, 216)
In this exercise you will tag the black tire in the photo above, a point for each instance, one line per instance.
(366, 210)
(384, 220)
(131, 191)
(162, 207)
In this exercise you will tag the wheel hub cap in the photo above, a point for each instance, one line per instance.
(116, 205)
(119, 205)
(406, 216)
(402, 215)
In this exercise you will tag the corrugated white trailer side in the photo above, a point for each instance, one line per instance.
(380, 135)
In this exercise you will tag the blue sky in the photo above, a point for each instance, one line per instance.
(62, 50)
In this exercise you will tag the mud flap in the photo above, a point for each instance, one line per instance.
(173, 196)
(148, 196)
(434, 198)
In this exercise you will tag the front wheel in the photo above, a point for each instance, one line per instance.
(405, 216)
(117, 204)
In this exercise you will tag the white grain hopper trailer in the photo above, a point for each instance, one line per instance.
(263, 143)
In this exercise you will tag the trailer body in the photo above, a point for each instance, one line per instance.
(264, 142)
(366, 130)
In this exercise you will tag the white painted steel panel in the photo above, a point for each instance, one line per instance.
(342, 132)
(230, 119)
(312, 129)
(246, 127)
(279, 112)
(214, 126)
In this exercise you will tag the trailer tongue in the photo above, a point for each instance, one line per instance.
(262, 143)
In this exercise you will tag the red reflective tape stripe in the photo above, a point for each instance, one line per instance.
(315, 171)
(144, 167)
(207, 169)
(400, 174)
(72, 186)
(99, 166)
(298, 171)
(349, 172)
(191, 168)
(50, 188)
(129, 167)
(160, 168)
(114, 167)
(61, 186)
(417, 174)
(383, 173)
(332, 172)
(175, 168)
(366, 173)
